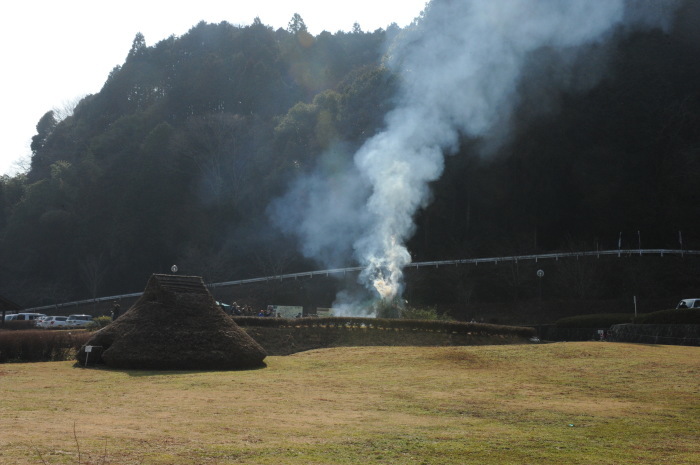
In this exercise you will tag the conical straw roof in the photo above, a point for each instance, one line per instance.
(175, 325)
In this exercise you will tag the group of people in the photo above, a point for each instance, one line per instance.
(247, 310)
(236, 310)
(242, 310)
(269, 311)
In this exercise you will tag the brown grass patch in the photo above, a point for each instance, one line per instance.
(404, 405)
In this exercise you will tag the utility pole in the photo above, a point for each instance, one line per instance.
(639, 237)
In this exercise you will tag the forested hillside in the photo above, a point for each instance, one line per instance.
(177, 159)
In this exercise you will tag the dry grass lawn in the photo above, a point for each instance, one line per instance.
(566, 403)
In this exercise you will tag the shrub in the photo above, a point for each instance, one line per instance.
(428, 313)
(388, 308)
(98, 323)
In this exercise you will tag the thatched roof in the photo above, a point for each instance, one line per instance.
(175, 325)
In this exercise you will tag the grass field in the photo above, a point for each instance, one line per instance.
(565, 403)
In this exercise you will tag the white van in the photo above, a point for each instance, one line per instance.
(23, 316)
(689, 303)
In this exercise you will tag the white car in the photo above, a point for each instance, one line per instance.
(50, 322)
(689, 303)
(76, 321)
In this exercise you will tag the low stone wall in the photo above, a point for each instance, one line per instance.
(286, 341)
(553, 333)
(683, 335)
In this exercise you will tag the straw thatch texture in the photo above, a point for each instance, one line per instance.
(175, 325)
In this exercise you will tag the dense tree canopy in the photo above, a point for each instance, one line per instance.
(177, 158)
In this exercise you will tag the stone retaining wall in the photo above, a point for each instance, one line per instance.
(683, 335)
(554, 333)
(286, 341)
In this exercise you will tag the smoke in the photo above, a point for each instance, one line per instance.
(324, 209)
(462, 66)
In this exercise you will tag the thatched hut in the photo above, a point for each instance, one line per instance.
(175, 325)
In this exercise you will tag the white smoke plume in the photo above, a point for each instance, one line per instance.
(460, 65)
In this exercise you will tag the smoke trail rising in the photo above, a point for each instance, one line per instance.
(461, 66)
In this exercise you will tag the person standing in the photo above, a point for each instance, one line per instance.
(115, 311)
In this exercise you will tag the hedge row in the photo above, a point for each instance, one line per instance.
(680, 316)
(601, 320)
(40, 346)
(459, 327)
(18, 325)
(688, 316)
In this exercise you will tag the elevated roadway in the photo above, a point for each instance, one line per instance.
(620, 253)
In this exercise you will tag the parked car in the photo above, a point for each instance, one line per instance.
(76, 321)
(689, 303)
(23, 316)
(225, 307)
(50, 322)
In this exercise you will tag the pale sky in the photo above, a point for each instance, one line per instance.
(56, 52)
